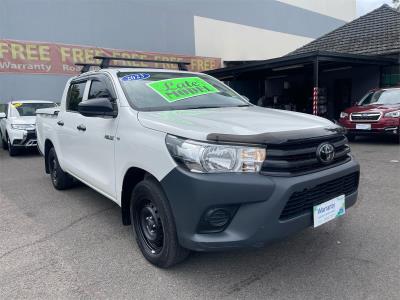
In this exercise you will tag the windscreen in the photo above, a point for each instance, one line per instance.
(23, 109)
(382, 97)
(155, 91)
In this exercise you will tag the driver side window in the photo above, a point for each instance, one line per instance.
(98, 90)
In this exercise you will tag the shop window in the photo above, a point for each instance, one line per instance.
(390, 76)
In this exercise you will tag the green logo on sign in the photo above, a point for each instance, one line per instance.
(181, 88)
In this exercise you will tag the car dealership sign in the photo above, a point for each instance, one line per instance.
(51, 58)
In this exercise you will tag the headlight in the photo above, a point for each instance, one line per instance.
(393, 114)
(215, 158)
(23, 126)
(343, 115)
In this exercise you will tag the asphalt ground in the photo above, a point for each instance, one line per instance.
(72, 244)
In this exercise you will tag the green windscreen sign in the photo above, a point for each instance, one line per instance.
(182, 88)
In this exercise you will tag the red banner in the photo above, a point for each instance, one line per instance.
(51, 58)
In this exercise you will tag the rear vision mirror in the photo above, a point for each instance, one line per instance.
(2, 115)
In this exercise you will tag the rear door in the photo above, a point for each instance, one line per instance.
(69, 136)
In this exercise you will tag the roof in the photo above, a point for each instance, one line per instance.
(115, 70)
(376, 33)
(302, 58)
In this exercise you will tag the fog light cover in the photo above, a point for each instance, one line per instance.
(216, 219)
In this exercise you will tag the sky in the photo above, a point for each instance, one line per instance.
(365, 6)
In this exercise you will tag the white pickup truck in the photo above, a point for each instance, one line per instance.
(194, 165)
(17, 124)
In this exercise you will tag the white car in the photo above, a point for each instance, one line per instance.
(17, 124)
(194, 165)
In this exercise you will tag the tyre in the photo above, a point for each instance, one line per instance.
(59, 178)
(351, 137)
(154, 225)
(3, 143)
(397, 138)
(12, 150)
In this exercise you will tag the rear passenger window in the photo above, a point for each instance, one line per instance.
(75, 95)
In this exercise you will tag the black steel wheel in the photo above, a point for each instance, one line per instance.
(154, 225)
(150, 226)
(59, 178)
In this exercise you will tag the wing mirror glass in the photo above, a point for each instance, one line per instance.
(2, 115)
(98, 107)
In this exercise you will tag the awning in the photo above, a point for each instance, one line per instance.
(291, 62)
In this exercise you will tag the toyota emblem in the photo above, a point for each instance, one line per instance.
(325, 153)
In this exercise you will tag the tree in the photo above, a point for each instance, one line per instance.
(396, 4)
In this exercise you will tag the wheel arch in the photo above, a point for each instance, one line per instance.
(132, 177)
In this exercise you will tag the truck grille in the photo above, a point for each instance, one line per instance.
(300, 156)
(304, 201)
(366, 117)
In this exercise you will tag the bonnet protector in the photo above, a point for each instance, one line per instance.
(277, 138)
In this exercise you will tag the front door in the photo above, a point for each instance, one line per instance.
(96, 144)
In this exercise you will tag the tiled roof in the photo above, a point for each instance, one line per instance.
(375, 33)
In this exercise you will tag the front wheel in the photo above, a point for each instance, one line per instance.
(60, 179)
(3, 143)
(154, 225)
(397, 138)
(12, 150)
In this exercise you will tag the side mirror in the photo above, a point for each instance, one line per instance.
(98, 107)
(2, 115)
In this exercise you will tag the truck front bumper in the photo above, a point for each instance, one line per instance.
(258, 202)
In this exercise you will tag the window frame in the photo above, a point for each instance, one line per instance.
(87, 79)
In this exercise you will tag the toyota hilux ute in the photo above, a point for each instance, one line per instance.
(377, 113)
(192, 164)
(17, 124)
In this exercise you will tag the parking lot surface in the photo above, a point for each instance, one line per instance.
(72, 244)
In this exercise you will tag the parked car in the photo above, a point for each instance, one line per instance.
(193, 165)
(17, 124)
(378, 113)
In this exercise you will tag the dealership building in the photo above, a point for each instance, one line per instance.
(328, 74)
(40, 41)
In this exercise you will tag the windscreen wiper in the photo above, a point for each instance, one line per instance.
(200, 107)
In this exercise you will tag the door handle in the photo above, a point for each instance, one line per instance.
(81, 127)
(60, 123)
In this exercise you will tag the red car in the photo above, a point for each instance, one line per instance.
(378, 112)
